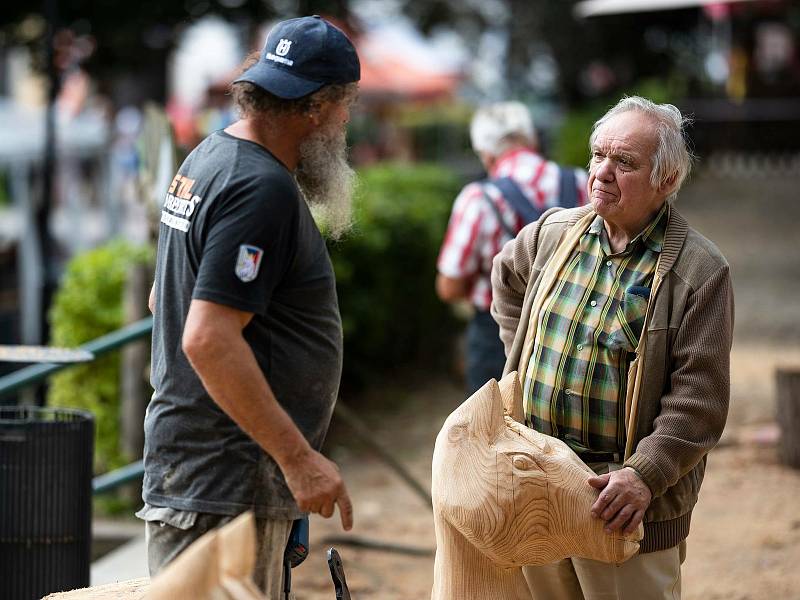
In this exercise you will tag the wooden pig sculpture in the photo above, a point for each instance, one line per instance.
(505, 496)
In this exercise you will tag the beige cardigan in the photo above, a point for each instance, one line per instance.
(679, 400)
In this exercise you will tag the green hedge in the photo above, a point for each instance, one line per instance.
(385, 270)
(87, 305)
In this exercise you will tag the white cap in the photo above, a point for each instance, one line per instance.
(493, 123)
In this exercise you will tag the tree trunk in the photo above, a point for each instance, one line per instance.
(134, 391)
(788, 386)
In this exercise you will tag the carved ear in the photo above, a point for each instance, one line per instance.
(193, 574)
(237, 544)
(485, 408)
(511, 391)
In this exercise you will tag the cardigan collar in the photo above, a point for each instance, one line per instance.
(674, 237)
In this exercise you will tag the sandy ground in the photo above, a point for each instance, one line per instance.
(745, 539)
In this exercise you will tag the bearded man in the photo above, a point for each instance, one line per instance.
(247, 338)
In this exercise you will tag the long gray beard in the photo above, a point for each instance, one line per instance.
(326, 180)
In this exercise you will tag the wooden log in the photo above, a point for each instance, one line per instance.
(505, 496)
(133, 589)
(788, 414)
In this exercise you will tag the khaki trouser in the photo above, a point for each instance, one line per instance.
(651, 576)
(165, 542)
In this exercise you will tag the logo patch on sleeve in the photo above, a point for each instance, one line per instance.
(248, 262)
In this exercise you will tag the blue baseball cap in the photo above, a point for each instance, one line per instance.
(302, 55)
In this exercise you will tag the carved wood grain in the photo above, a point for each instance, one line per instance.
(506, 496)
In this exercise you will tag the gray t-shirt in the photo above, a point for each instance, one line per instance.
(236, 231)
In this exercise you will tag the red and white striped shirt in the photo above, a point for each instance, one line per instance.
(474, 235)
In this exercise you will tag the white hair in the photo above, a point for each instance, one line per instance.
(496, 126)
(672, 157)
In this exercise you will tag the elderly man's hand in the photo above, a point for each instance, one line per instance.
(623, 499)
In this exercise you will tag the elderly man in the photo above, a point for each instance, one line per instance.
(486, 214)
(618, 317)
(247, 340)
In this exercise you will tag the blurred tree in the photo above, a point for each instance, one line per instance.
(593, 57)
(136, 37)
(140, 35)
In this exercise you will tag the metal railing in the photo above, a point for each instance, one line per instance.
(108, 482)
(35, 374)
(103, 345)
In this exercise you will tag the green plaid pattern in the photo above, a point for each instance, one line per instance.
(587, 332)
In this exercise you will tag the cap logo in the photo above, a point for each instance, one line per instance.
(283, 46)
(281, 50)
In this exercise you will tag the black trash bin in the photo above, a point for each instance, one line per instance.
(45, 500)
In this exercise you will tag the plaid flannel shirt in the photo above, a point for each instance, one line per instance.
(575, 382)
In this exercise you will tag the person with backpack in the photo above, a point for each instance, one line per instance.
(521, 185)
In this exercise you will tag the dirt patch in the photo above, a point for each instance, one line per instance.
(745, 538)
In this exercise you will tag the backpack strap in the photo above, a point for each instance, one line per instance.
(506, 227)
(518, 201)
(567, 191)
(567, 198)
